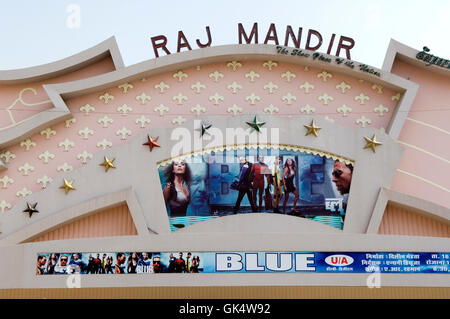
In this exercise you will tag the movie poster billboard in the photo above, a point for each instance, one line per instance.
(241, 262)
(291, 181)
(119, 263)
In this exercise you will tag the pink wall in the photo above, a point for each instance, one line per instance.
(34, 97)
(399, 221)
(115, 221)
(88, 131)
(424, 168)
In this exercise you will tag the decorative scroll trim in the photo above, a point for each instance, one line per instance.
(287, 147)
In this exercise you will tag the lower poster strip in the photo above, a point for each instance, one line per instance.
(241, 262)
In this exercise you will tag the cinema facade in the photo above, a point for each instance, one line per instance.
(226, 172)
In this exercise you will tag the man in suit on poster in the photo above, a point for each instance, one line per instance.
(245, 185)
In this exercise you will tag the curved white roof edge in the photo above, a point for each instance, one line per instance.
(47, 71)
(405, 53)
(61, 91)
(58, 92)
(66, 65)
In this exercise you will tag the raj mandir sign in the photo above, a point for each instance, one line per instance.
(314, 40)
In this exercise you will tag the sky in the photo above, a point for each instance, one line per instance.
(38, 32)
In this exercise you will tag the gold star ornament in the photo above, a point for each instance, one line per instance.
(372, 143)
(152, 142)
(312, 129)
(107, 163)
(67, 186)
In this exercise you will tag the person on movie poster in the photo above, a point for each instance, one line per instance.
(52, 262)
(198, 205)
(97, 264)
(176, 190)
(157, 267)
(41, 261)
(245, 185)
(179, 264)
(171, 267)
(277, 182)
(188, 262)
(90, 265)
(132, 263)
(288, 183)
(103, 264)
(61, 267)
(145, 263)
(76, 265)
(342, 178)
(195, 264)
(120, 260)
(259, 169)
(109, 265)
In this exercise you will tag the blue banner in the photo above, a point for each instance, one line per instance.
(242, 262)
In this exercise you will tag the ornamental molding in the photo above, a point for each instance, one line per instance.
(136, 167)
(58, 93)
(59, 112)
